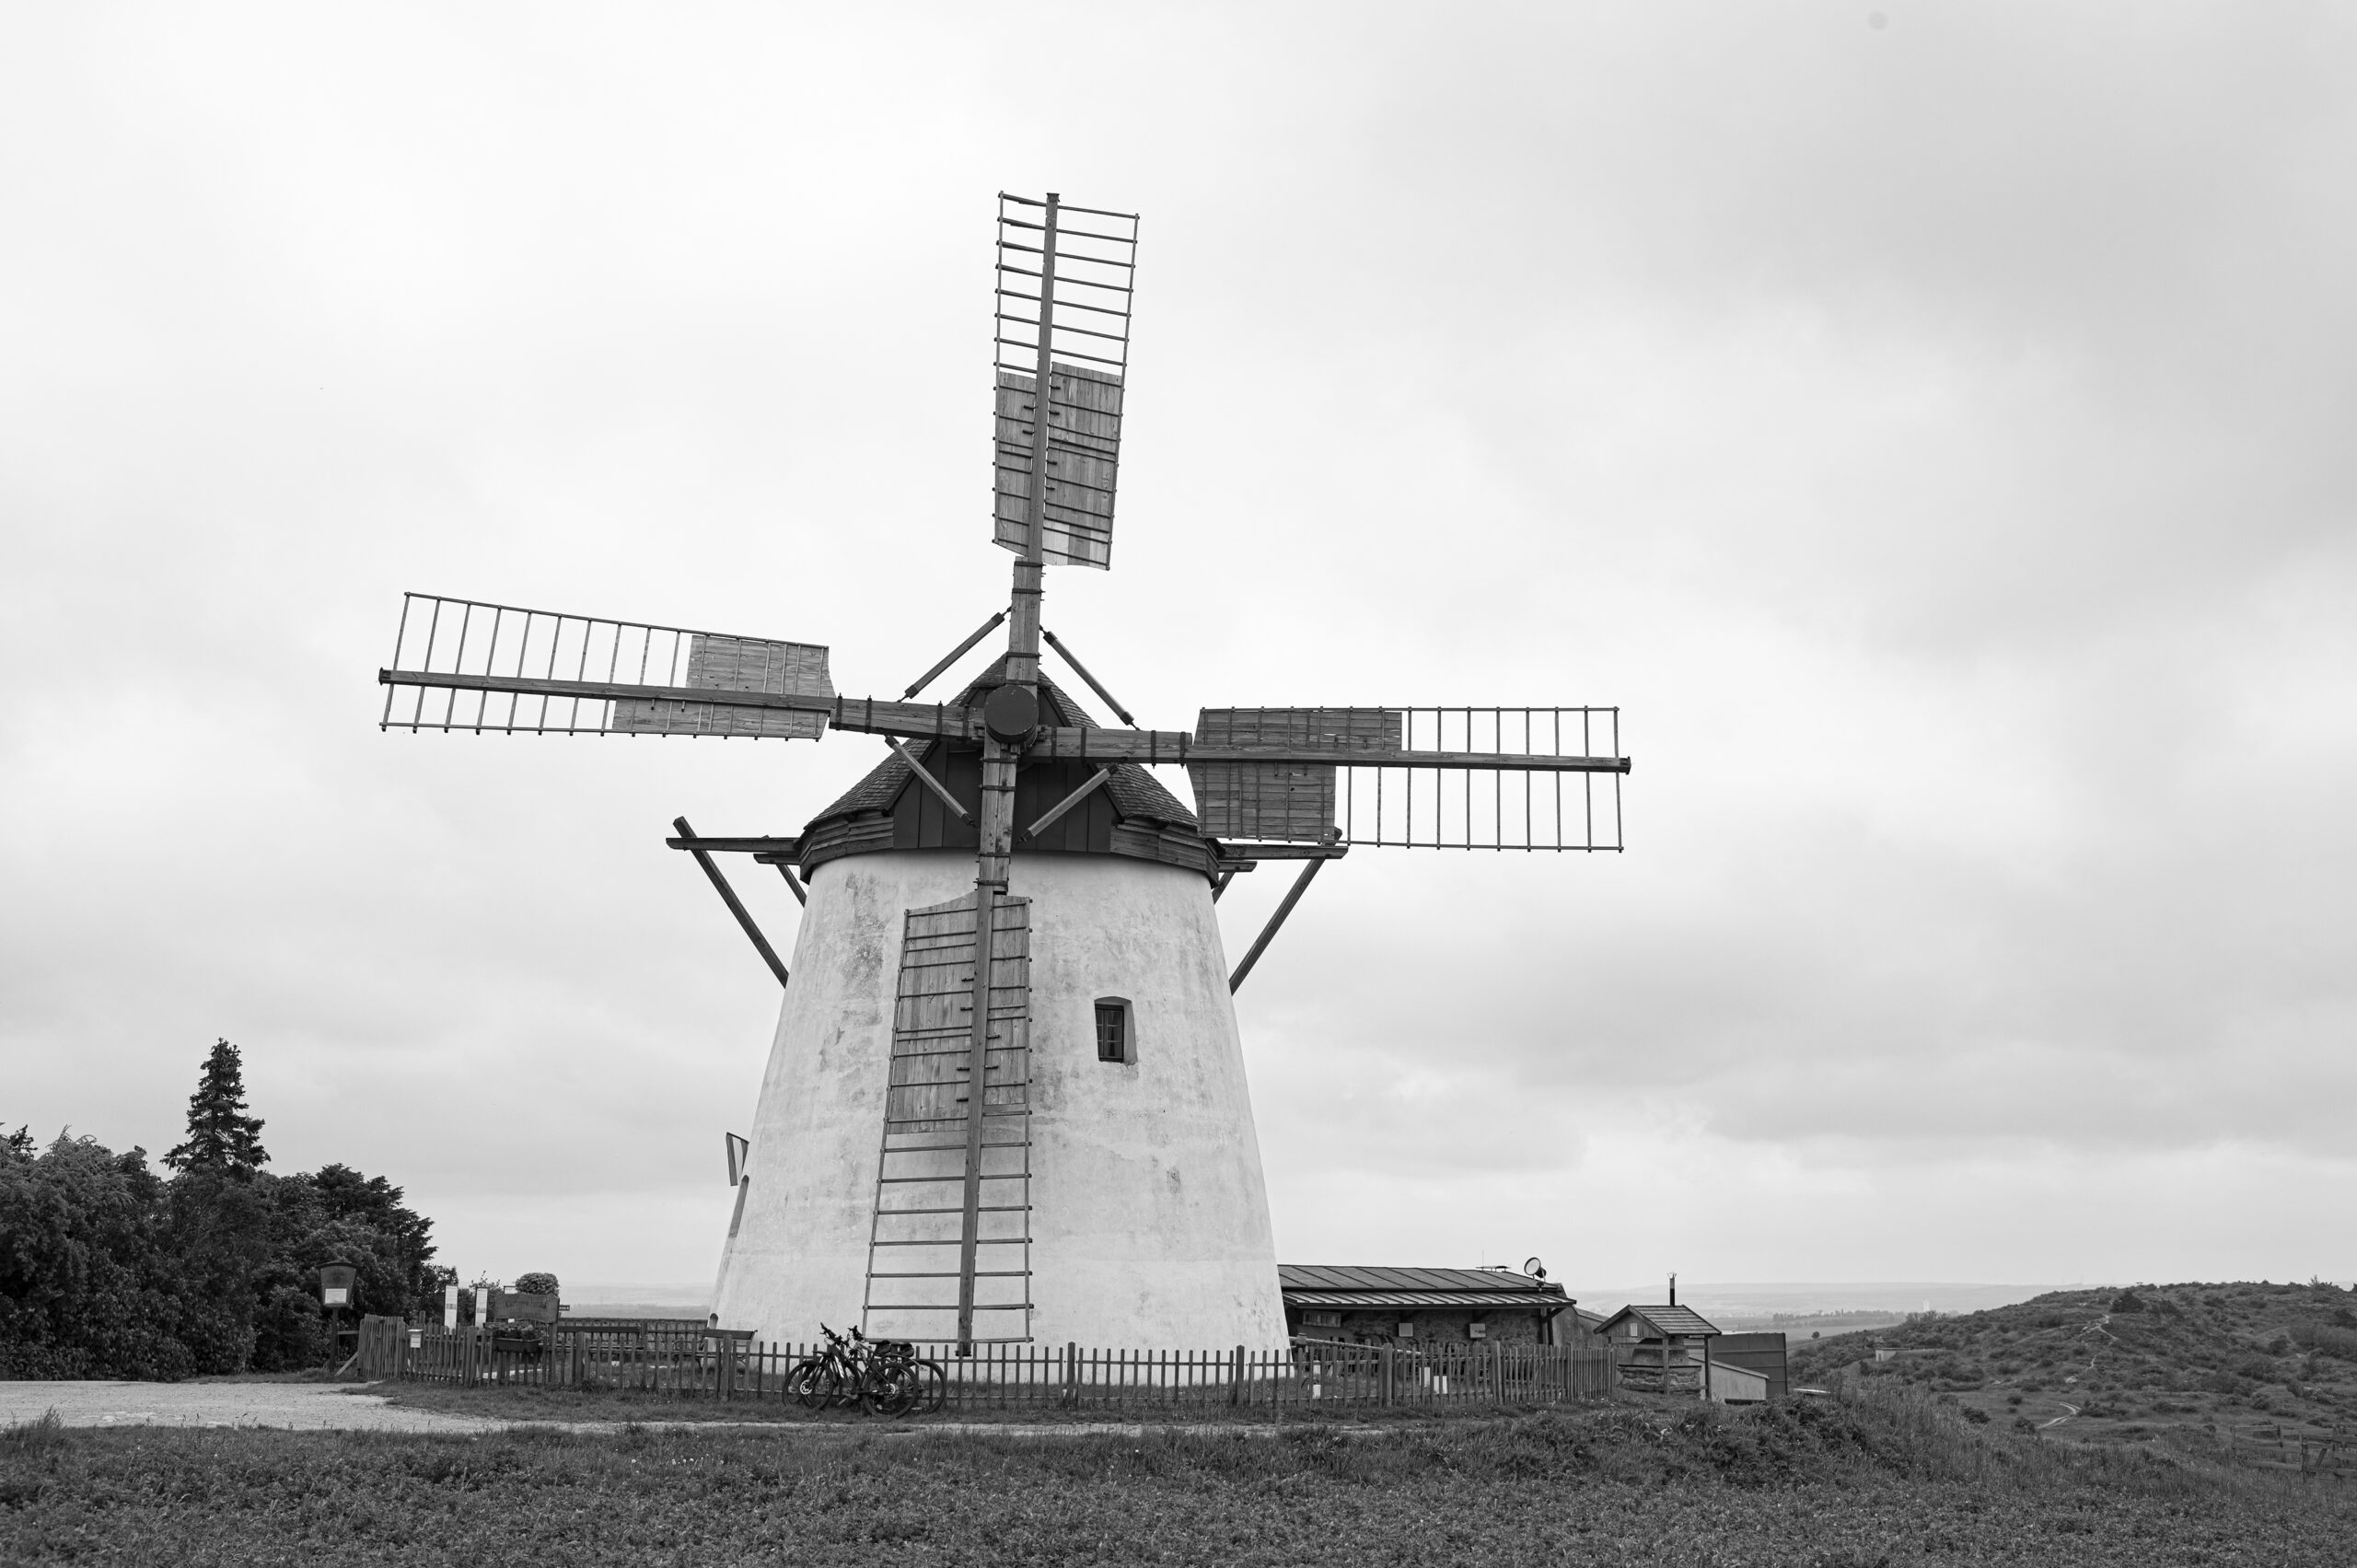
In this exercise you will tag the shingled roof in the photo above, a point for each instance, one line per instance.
(1664, 1321)
(1136, 793)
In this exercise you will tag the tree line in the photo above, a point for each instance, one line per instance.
(110, 1267)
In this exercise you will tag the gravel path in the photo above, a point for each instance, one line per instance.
(325, 1407)
(309, 1407)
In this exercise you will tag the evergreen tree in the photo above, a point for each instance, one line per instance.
(222, 1139)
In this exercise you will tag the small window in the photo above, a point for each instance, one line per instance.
(1115, 1041)
(1407, 1331)
(1477, 1331)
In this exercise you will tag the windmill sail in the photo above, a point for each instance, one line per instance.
(1064, 285)
(1447, 778)
(915, 1239)
(461, 664)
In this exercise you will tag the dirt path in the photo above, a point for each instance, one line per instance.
(307, 1407)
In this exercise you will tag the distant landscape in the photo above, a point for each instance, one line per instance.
(2241, 1369)
(1802, 1308)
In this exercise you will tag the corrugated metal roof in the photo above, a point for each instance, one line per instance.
(1136, 793)
(1669, 1319)
(1487, 1300)
(1292, 1277)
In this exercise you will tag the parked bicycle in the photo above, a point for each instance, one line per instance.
(883, 1376)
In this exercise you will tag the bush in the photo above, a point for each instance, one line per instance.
(2327, 1338)
(536, 1285)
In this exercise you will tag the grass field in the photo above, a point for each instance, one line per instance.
(1889, 1478)
(2254, 1368)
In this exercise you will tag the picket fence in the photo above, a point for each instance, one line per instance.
(686, 1359)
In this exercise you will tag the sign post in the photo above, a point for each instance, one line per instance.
(336, 1287)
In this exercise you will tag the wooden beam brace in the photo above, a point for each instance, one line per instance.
(1229, 851)
(739, 846)
(801, 894)
(1093, 684)
(1227, 874)
(929, 721)
(955, 654)
(1054, 814)
(1269, 932)
(935, 785)
(736, 906)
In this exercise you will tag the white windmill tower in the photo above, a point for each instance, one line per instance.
(1105, 1184)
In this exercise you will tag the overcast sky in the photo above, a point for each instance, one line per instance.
(1930, 423)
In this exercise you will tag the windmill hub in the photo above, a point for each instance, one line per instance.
(1011, 715)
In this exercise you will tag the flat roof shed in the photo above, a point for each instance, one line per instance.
(1364, 1302)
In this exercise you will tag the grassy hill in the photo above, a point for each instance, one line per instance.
(2246, 1368)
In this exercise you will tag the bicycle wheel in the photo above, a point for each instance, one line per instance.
(933, 1387)
(812, 1383)
(892, 1391)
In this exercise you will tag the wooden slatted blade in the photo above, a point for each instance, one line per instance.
(915, 1239)
(463, 664)
(1064, 286)
(1493, 778)
(1283, 802)
(1084, 455)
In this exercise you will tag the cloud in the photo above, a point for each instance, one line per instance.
(1931, 435)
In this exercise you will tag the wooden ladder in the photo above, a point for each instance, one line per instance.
(915, 1241)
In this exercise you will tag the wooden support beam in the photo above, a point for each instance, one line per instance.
(1054, 814)
(801, 894)
(1236, 851)
(739, 846)
(871, 715)
(1268, 933)
(1093, 684)
(928, 721)
(736, 906)
(955, 654)
(932, 784)
(1158, 745)
(1227, 874)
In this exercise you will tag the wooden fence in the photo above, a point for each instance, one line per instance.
(2332, 1453)
(682, 1359)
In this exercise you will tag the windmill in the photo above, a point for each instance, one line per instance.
(1005, 1099)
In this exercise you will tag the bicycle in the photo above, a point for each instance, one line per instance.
(898, 1383)
(829, 1377)
(882, 1377)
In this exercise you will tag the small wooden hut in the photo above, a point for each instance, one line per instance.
(1661, 1350)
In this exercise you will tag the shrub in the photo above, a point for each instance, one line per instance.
(536, 1285)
